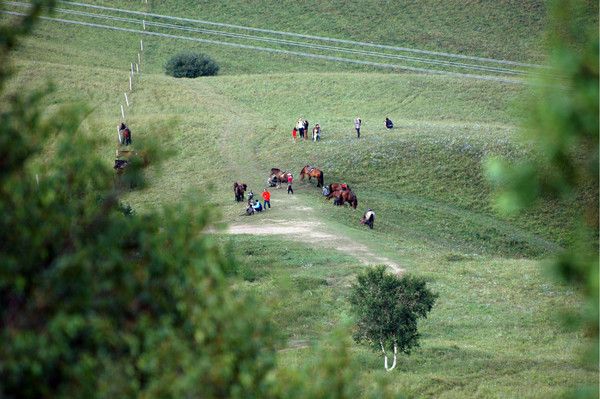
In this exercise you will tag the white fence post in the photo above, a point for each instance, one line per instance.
(130, 84)
(141, 45)
(126, 99)
(144, 24)
(119, 135)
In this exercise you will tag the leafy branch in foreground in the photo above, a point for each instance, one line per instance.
(563, 124)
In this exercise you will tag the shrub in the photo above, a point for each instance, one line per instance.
(191, 65)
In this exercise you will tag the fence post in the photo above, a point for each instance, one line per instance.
(126, 99)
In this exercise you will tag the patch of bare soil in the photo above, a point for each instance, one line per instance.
(317, 230)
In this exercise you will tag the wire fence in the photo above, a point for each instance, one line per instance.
(438, 63)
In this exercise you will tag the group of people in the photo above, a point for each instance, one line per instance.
(124, 134)
(255, 205)
(301, 129)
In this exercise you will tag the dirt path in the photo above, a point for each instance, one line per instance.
(310, 226)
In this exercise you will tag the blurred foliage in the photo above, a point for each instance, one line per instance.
(387, 308)
(191, 65)
(563, 125)
(96, 300)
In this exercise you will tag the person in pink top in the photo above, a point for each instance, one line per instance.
(290, 180)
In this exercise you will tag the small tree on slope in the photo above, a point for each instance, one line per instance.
(386, 308)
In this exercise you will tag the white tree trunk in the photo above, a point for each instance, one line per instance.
(385, 361)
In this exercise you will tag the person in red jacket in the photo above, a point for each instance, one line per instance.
(290, 180)
(267, 198)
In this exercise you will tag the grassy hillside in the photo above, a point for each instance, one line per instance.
(494, 331)
(505, 29)
(490, 334)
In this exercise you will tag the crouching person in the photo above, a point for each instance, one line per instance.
(250, 208)
(368, 218)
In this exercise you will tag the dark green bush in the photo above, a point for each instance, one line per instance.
(191, 65)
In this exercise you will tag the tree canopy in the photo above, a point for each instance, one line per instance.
(387, 308)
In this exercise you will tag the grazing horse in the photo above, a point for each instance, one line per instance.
(344, 196)
(312, 172)
(238, 191)
(333, 187)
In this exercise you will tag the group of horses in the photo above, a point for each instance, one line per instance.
(341, 193)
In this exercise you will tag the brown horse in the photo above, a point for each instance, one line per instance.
(278, 176)
(238, 191)
(129, 158)
(333, 187)
(312, 172)
(343, 196)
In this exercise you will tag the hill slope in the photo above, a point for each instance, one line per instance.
(493, 331)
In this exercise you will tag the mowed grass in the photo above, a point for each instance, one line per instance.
(506, 30)
(495, 331)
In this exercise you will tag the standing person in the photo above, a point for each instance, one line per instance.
(316, 132)
(127, 135)
(290, 180)
(122, 128)
(294, 134)
(267, 198)
(357, 123)
(300, 127)
(305, 125)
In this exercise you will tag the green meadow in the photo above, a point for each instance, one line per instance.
(497, 328)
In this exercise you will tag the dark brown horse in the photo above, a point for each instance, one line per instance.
(333, 187)
(343, 196)
(129, 161)
(238, 191)
(312, 172)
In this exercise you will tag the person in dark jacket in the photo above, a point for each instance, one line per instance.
(388, 123)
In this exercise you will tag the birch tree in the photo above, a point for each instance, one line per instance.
(387, 308)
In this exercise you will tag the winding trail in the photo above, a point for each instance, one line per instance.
(308, 225)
